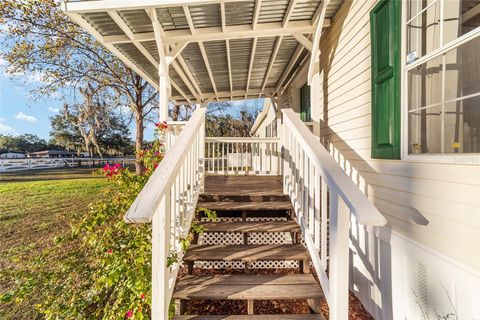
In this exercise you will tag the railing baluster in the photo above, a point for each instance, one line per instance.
(324, 222)
(241, 156)
(317, 209)
(310, 195)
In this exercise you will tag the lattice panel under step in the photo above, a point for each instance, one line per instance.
(228, 238)
(285, 264)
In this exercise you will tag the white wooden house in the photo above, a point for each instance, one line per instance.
(376, 102)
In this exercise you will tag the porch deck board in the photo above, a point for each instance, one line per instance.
(252, 317)
(250, 226)
(244, 185)
(245, 206)
(247, 253)
(248, 287)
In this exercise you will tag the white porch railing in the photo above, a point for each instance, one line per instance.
(168, 201)
(323, 197)
(242, 155)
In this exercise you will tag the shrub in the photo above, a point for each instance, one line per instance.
(105, 268)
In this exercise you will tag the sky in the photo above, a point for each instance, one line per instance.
(20, 114)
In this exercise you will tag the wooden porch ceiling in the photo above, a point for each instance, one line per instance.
(212, 49)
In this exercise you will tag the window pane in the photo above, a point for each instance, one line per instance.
(415, 6)
(463, 70)
(462, 126)
(425, 84)
(460, 18)
(425, 131)
(423, 32)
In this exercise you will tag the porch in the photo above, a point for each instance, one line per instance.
(198, 51)
(289, 185)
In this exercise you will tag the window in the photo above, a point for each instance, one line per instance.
(271, 129)
(305, 113)
(442, 76)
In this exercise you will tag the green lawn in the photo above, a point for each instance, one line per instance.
(35, 207)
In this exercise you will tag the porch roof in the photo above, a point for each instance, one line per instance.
(213, 49)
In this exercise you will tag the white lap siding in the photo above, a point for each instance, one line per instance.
(430, 251)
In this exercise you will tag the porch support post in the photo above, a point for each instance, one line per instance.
(164, 95)
(164, 79)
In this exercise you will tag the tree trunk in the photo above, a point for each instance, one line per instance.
(93, 139)
(139, 142)
(176, 112)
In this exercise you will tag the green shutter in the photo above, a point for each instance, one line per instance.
(385, 33)
(305, 112)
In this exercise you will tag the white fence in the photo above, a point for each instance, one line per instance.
(30, 164)
(7, 165)
(323, 197)
(168, 201)
(239, 155)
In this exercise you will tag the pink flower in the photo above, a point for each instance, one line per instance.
(129, 314)
(109, 251)
(162, 125)
(142, 296)
(155, 166)
(112, 170)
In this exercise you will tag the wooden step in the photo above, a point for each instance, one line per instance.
(254, 317)
(242, 198)
(248, 287)
(251, 226)
(245, 205)
(246, 253)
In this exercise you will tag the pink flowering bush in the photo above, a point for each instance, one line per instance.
(111, 171)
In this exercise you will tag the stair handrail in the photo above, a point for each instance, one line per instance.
(144, 206)
(323, 197)
(168, 200)
(365, 212)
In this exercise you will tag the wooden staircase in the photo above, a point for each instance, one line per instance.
(245, 178)
(245, 201)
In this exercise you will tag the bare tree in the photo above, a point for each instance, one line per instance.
(38, 38)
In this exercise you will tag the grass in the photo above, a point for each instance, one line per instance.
(35, 207)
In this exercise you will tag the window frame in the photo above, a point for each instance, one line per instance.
(465, 158)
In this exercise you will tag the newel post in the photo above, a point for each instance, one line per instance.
(201, 152)
(160, 251)
(339, 255)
